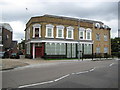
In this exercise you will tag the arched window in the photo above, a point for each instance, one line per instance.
(36, 30)
(81, 33)
(49, 31)
(60, 31)
(70, 32)
(88, 34)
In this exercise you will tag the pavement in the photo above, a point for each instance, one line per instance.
(7, 64)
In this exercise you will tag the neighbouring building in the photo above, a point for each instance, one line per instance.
(6, 34)
(52, 36)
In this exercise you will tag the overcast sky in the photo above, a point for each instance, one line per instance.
(15, 13)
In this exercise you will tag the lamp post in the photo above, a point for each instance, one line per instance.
(78, 40)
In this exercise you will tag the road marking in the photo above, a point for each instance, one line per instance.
(92, 69)
(55, 79)
(44, 82)
(62, 77)
(82, 72)
(73, 73)
(35, 84)
(111, 64)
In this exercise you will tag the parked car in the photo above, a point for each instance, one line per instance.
(14, 55)
(5, 54)
(2, 54)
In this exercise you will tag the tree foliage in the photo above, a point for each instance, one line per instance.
(115, 46)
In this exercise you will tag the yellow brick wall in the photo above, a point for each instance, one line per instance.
(55, 21)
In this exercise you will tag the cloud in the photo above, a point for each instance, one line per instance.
(15, 12)
(18, 30)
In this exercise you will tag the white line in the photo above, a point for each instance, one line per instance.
(44, 82)
(111, 64)
(61, 77)
(55, 79)
(82, 72)
(92, 69)
(73, 73)
(35, 84)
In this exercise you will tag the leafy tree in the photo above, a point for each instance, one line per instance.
(115, 46)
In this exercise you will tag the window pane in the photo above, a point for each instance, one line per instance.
(97, 36)
(36, 32)
(49, 32)
(88, 35)
(69, 34)
(105, 37)
(81, 35)
(98, 50)
(59, 33)
(105, 50)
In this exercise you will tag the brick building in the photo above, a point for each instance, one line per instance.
(6, 34)
(52, 36)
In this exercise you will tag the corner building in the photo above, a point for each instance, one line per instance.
(50, 36)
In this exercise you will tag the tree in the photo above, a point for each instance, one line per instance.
(115, 46)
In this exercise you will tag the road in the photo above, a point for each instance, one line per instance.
(74, 74)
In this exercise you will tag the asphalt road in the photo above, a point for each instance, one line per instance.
(106, 77)
(75, 74)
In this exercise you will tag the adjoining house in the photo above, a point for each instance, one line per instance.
(50, 36)
(6, 42)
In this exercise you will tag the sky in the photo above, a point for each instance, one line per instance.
(18, 12)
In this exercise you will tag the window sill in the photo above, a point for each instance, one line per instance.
(60, 37)
(69, 38)
(88, 39)
(48, 37)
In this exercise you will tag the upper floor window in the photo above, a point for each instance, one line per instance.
(36, 30)
(105, 38)
(81, 33)
(88, 34)
(98, 37)
(69, 32)
(49, 31)
(60, 31)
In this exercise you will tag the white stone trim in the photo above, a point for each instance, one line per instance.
(49, 26)
(97, 25)
(59, 41)
(70, 28)
(36, 26)
(62, 28)
(90, 31)
(81, 29)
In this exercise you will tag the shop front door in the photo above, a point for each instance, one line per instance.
(38, 52)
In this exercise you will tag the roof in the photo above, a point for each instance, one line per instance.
(70, 18)
(6, 26)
